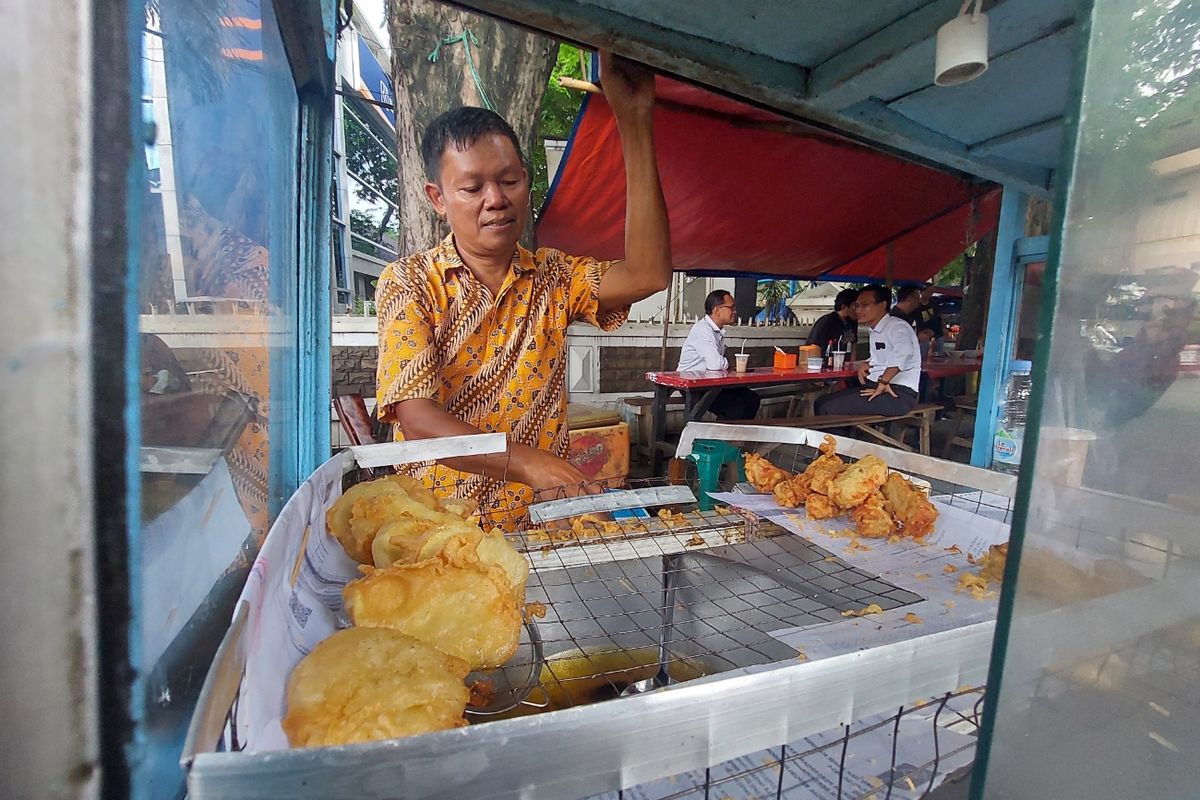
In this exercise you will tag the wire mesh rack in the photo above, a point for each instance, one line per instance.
(710, 586)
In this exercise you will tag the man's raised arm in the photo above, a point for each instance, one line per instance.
(647, 265)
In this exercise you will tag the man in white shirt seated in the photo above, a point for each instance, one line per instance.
(892, 374)
(704, 350)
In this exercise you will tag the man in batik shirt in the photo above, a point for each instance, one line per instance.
(472, 333)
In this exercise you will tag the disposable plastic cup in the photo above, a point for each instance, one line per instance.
(839, 360)
(740, 361)
(814, 363)
(1064, 452)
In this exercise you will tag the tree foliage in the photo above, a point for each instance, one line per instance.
(377, 167)
(560, 107)
(772, 298)
(954, 273)
(366, 226)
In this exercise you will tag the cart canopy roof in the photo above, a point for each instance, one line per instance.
(751, 192)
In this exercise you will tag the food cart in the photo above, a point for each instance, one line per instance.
(1089, 686)
(773, 670)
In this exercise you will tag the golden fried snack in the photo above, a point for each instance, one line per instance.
(363, 684)
(401, 541)
(357, 517)
(463, 507)
(452, 601)
(910, 506)
(414, 489)
(762, 474)
(489, 548)
(588, 525)
(857, 481)
(825, 467)
(672, 519)
(819, 506)
(793, 491)
(991, 566)
(872, 518)
(338, 518)
(370, 514)
(822, 476)
(828, 450)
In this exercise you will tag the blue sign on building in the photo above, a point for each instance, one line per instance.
(376, 80)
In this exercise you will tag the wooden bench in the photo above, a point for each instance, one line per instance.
(921, 418)
(964, 406)
(641, 407)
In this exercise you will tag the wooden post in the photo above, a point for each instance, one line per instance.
(666, 330)
(890, 265)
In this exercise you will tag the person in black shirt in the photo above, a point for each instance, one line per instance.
(842, 322)
(912, 306)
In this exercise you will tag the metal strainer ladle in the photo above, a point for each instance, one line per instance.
(513, 682)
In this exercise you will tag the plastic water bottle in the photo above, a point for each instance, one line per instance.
(1010, 428)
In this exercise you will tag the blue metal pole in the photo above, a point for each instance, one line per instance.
(1001, 323)
(313, 346)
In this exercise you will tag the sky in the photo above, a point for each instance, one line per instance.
(373, 11)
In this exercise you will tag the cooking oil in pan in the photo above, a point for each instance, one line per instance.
(577, 678)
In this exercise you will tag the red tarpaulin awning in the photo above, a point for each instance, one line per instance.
(751, 192)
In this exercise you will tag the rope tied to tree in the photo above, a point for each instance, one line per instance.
(467, 38)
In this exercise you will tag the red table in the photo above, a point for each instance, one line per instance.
(950, 367)
(699, 389)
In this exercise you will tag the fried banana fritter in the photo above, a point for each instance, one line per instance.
(762, 474)
(364, 684)
(910, 506)
(872, 518)
(819, 506)
(356, 543)
(794, 491)
(401, 542)
(855, 484)
(825, 467)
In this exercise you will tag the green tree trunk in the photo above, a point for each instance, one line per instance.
(978, 272)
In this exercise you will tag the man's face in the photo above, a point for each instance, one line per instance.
(910, 303)
(850, 312)
(869, 309)
(724, 314)
(484, 195)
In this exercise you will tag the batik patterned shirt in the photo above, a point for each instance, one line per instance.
(495, 362)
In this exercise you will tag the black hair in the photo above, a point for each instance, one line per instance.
(845, 297)
(460, 128)
(905, 292)
(879, 292)
(714, 299)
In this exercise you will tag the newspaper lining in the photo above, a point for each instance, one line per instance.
(930, 568)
